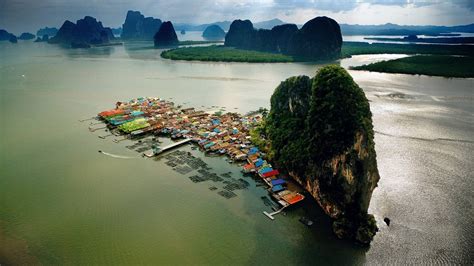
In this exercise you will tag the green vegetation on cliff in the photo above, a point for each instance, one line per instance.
(433, 65)
(316, 118)
(286, 123)
(320, 131)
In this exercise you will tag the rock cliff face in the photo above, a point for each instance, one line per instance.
(86, 31)
(13, 39)
(166, 35)
(213, 32)
(320, 38)
(275, 40)
(241, 34)
(139, 27)
(320, 131)
(6, 36)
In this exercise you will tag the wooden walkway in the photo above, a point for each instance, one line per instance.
(270, 215)
(151, 153)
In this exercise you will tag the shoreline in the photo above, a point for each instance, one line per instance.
(221, 53)
(438, 63)
(430, 65)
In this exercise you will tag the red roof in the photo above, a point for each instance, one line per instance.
(296, 198)
(249, 166)
(111, 112)
(271, 173)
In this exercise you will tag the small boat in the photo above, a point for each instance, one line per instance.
(306, 221)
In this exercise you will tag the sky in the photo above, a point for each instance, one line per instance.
(18, 16)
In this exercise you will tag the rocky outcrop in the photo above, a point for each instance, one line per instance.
(51, 32)
(13, 39)
(166, 35)
(26, 36)
(241, 34)
(320, 131)
(280, 37)
(320, 38)
(85, 32)
(6, 36)
(213, 32)
(139, 27)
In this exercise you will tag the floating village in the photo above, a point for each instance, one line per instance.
(215, 133)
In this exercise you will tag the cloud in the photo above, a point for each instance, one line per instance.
(469, 4)
(335, 6)
(22, 15)
(347, 5)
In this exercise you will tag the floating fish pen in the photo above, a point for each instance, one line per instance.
(214, 133)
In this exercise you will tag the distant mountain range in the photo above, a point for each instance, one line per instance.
(347, 29)
(394, 29)
(193, 27)
(267, 24)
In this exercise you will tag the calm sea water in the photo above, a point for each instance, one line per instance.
(70, 204)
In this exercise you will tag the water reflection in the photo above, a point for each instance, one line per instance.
(93, 52)
(141, 50)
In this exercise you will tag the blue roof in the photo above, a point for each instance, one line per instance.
(259, 162)
(136, 113)
(253, 150)
(277, 182)
(277, 188)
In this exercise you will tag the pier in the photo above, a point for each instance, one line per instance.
(270, 215)
(154, 152)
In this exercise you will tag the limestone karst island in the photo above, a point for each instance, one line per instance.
(236, 132)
